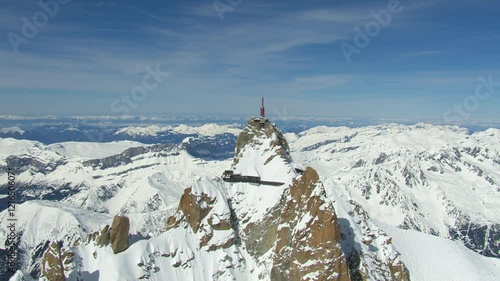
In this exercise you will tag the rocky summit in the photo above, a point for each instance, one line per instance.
(281, 227)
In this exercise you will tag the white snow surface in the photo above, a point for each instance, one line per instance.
(430, 258)
(148, 190)
(14, 129)
(256, 162)
(91, 150)
(10, 146)
(373, 164)
(71, 150)
(204, 130)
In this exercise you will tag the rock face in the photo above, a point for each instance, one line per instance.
(309, 234)
(193, 208)
(196, 210)
(116, 235)
(301, 232)
(296, 235)
(424, 175)
(128, 155)
(253, 135)
(104, 238)
(377, 259)
(252, 230)
(119, 234)
(55, 262)
(484, 239)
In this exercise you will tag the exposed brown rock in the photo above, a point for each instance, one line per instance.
(193, 209)
(367, 240)
(104, 238)
(399, 272)
(261, 236)
(54, 262)
(92, 236)
(206, 238)
(119, 234)
(77, 242)
(193, 212)
(172, 222)
(301, 252)
(311, 252)
(222, 225)
(228, 243)
(253, 130)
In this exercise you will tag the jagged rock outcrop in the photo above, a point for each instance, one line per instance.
(105, 236)
(253, 135)
(377, 259)
(389, 167)
(196, 210)
(116, 235)
(303, 233)
(55, 262)
(119, 234)
(309, 234)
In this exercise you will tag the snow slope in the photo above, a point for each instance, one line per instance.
(197, 245)
(436, 179)
(9, 146)
(432, 179)
(430, 258)
(204, 130)
(91, 150)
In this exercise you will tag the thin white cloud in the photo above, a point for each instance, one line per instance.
(338, 15)
(320, 82)
(426, 53)
(208, 59)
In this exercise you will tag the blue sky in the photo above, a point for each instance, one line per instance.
(92, 53)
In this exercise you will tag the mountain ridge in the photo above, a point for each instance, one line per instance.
(161, 173)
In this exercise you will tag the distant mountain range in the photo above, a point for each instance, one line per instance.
(384, 202)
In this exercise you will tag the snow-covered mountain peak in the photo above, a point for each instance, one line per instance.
(277, 221)
(210, 129)
(14, 129)
(437, 179)
(415, 138)
(262, 151)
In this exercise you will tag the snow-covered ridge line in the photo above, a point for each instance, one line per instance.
(436, 176)
(14, 129)
(419, 137)
(71, 150)
(210, 129)
(441, 180)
